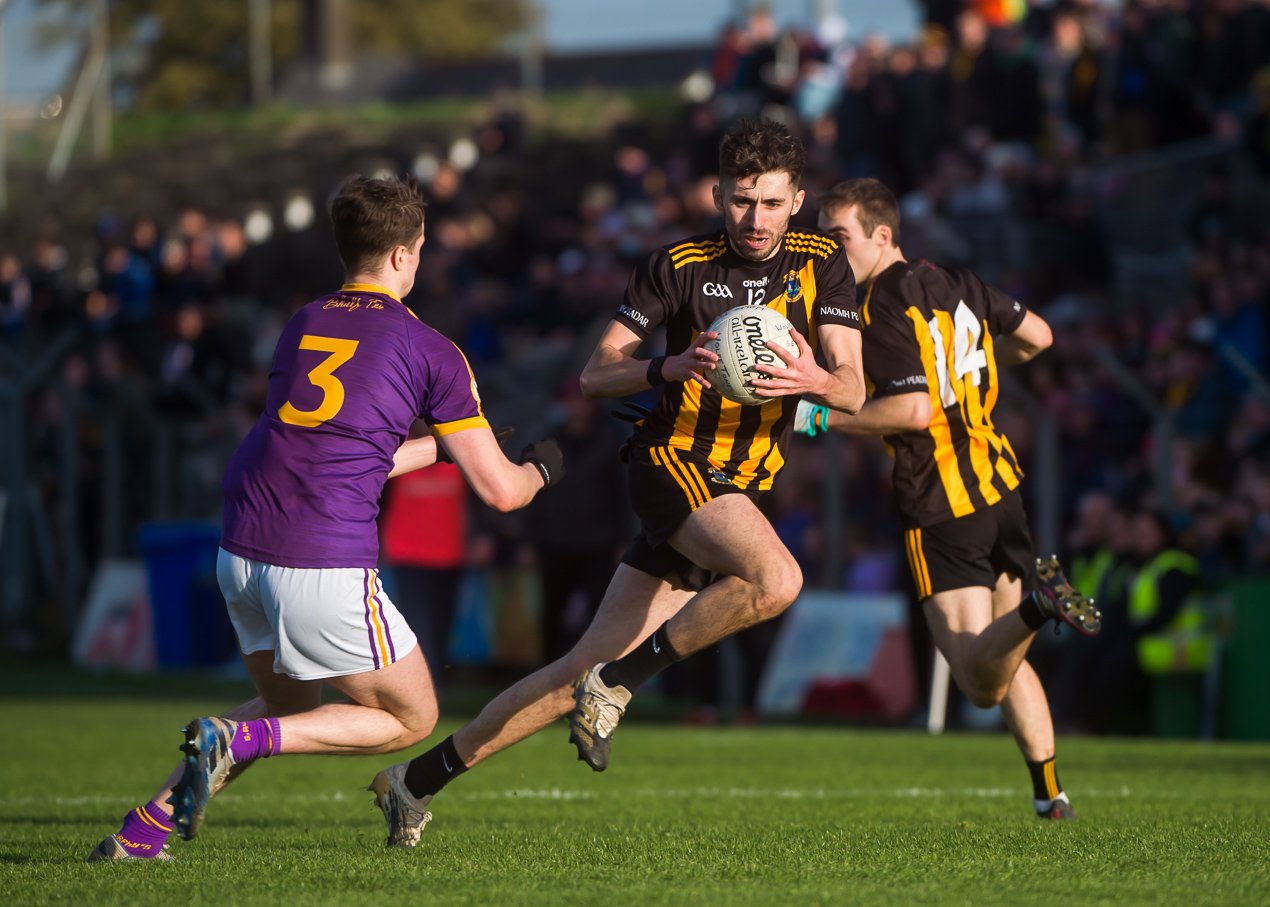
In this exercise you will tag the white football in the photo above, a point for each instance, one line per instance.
(742, 345)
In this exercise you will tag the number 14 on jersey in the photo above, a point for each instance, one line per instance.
(968, 357)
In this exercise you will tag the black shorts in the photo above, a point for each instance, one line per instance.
(972, 550)
(668, 484)
(668, 564)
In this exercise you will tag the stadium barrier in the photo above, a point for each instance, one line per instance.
(1245, 674)
(191, 626)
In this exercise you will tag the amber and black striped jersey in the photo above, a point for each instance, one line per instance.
(929, 328)
(685, 286)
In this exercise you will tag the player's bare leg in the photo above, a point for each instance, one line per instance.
(392, 708)
(985, 642)
(620, 623)
(731, 538)
(284, 696)
(982, 653)
(728, 537)
(634, 604)
(1025, 707)
(1026, 711)
(1027, 714)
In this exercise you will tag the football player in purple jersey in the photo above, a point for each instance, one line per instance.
(352, 372)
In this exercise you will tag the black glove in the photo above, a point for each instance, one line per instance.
(546, 456)
(500, 435)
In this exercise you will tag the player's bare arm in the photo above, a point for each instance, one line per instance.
(1031, 338)
(414, 453)
(497, 481)
(888, 415)
(840, 386)
(422, 452)
(613, 370)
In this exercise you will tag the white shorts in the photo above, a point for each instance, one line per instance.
(319, 622)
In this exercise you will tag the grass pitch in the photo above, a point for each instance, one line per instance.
(685, 816)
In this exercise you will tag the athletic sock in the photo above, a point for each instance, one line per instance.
(257, 739)
(1045, 784)
(145, 830)
(427, 774)
(1031, 613)
(1042, 806)
(650, 657)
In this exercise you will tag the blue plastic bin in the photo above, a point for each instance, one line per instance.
(191, 627)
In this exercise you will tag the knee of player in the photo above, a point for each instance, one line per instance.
(779, 588)
(420, 726)
(420, 721)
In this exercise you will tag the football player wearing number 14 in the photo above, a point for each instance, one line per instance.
(933, 338)
(352, 372)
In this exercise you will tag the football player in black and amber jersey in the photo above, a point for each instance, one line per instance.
(933, 340)
(706, 562)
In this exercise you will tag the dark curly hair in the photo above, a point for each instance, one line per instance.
(753, 147)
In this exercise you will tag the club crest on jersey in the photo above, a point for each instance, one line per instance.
(793, 287)
(718, 476)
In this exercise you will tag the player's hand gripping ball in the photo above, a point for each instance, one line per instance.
(742, 346)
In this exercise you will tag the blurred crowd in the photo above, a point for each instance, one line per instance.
(1000, 126)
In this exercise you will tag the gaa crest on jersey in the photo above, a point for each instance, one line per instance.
(793, 287)
(718, 476)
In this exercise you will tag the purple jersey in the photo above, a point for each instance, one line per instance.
(351, 373)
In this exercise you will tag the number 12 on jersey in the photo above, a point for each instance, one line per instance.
(968, 357)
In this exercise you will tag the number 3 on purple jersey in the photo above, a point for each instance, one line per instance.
(323, 376)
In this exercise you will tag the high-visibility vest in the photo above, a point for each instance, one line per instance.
(1185, 645)
(1087, 573)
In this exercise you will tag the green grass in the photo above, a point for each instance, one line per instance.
(691, 816)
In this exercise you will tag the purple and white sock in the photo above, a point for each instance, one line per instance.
(257, 739)
(145, 830)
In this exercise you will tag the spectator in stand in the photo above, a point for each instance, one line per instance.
(972, 71)
(725, 65)
(1090, 552)
(1257, 129)
(15, 298)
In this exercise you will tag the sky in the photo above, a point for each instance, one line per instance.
(569, 26)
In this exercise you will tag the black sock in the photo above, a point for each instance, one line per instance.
(1031, 612)
(427, 774)
(1045, 783)
(651, 656)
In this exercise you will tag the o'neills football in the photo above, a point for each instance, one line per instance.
(742, 345)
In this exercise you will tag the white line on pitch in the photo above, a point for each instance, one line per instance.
(553, 793)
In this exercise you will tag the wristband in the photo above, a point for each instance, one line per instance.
(542, 471)
(654, 375)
